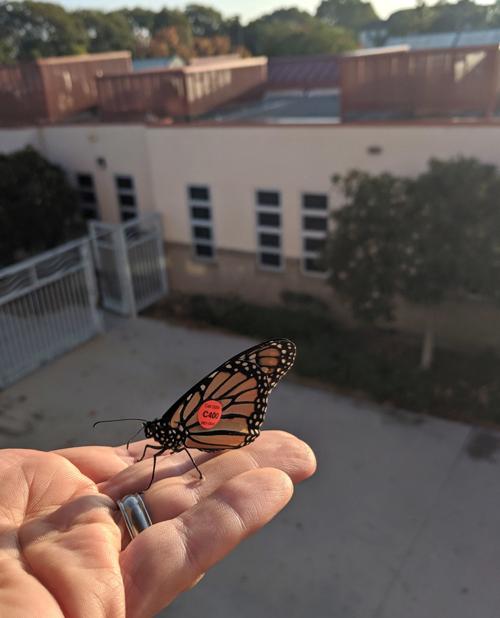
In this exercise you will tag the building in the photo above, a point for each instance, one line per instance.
(53, 89)
(246, 202)
(246, 208)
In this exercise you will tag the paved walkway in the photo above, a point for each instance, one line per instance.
(402, 519)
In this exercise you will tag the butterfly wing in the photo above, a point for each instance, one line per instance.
(237, 392)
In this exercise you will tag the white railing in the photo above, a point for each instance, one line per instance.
(48, 305)
(130, 263)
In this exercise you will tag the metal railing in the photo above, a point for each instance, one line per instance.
(48, 305)
(130, 263)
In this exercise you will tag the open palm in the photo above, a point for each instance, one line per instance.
(63, 548)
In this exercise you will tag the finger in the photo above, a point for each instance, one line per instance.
(98, 463)
(167, 558)
(276, 449)
(170, 497)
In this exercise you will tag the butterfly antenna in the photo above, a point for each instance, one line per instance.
(117, 420)
(132, 437)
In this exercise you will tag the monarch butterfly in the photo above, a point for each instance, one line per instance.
(224, 410)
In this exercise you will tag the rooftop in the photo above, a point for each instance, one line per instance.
(319, 106)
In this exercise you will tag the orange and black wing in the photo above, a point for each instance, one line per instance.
(226, 409)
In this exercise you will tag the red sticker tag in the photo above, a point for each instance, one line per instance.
(209, 413)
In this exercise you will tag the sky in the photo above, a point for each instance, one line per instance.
(247, 9)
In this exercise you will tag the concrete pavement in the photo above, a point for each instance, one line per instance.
(401, 520)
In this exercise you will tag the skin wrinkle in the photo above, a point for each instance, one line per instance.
(184, 537)
(51, 527)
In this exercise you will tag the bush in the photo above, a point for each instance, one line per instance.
(38, 209)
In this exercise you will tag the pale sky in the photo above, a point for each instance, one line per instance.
(247, 9)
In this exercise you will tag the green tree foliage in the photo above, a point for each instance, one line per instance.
(444, 17)
(37, 207)
(106, 31)
(205, 21)
(140, 20)
(35, 29)
(424, 239)
(293, 32)
(351, 14)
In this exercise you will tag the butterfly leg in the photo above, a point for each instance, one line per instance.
(194, 464)
(152, 447)
(160, 450)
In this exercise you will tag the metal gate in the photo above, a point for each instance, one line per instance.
(130, 263)
(48, 305)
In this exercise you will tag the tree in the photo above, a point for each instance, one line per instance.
(106, 31)
(292, 32)
(211, 46)
(36, 29)
(425, 240)
(463, 15)
(205, 21)
(38, 209)
(351, 14)
(167, 42)
(411, 21)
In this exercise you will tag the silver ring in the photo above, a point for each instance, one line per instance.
(135, 514)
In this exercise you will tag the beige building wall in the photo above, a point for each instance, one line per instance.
(234, 162)
(122, 150)
(16, 139)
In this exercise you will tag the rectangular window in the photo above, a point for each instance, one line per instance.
(314, 232)
(125, 182)
(315, 201)
(269, 219)
(268, 206)
(270, 259)
(199, 194)
(268, 198)
(200, 213)
(269, 240)
(87, 195)
(125, 192)
(205, 233)
(314, 244)
(318, 224)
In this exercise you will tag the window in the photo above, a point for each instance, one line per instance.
(268, 206)
(314, 232)
(200, 214)
(199, 194)
(125, 191)
(88, 198)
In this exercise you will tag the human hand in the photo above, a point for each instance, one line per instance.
(63, 546)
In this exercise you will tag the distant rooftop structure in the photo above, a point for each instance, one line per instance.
(165, 62)
(53, 89)
(317, 106)
(457, 82)
(182, 94)
(319, 71)
(440, 40)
